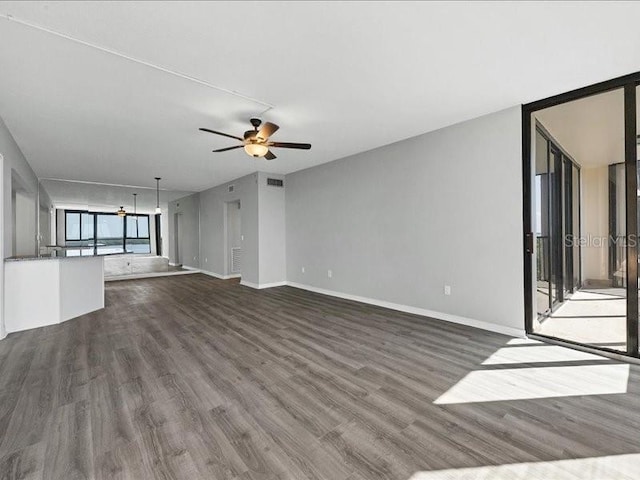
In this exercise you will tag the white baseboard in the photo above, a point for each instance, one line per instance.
(273, 284)
(221, 277)
(138, 276)
(470, 322)
(191, 268)
(262, 285)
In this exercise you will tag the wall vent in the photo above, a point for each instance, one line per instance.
(236, 259)
(231, 188)
(275, 182)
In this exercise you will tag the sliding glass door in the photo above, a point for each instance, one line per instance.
(557, 204)
(633, 327)
(581, 216)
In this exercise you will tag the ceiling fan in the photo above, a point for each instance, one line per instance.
(256, 142)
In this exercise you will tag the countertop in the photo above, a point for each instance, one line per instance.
(55, 255)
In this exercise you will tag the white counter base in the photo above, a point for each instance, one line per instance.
(44, 292)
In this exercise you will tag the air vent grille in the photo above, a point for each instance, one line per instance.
(231, 188)
(275, 182)
(236, 259)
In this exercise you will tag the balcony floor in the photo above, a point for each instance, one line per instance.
(591, 316)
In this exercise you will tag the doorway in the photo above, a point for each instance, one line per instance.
(581, 217)
(233, 239)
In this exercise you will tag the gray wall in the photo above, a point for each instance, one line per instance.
(189, 210)
(213, 243)
(18, 175)
(45, 215)
(262, 228)
(25, 223)
(15, 170)
(397, 223)
(234, 232)
(272, 230)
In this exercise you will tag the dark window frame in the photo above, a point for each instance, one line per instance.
(138, 237)
(629, 84)
(79, 212)
(94, 238)
(554, 145)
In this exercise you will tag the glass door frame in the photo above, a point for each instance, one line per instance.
(556, 259)
(628, 83)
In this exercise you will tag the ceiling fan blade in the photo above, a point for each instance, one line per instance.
(227, 149)
(267, 130)
(220, 133)
(270, 155)
(301, 146)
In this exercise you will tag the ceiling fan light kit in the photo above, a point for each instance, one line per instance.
(256, 142)
(256, 149)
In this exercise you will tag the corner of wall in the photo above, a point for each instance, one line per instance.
(3, 330)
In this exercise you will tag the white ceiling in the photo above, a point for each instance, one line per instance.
(344, 76)
(591, 129)
(106, 198)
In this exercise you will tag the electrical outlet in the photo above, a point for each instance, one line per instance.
(302, 269)
(329, 274)
(447, 289)
(206, 259)
(242, 237)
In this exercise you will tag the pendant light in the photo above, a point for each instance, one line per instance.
(135, 205)
(121, 212)
(158, 211)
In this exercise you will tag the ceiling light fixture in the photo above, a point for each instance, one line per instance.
(121, 212)
(256, 142)
(158, 211)
(256, 149)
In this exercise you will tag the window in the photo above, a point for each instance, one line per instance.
(137, 240)
(86, 225)
(107, 233)
(72, 225)
(79, 226)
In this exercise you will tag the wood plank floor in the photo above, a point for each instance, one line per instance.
(191, 377)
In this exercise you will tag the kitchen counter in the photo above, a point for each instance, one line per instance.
(62, 253)
(28, 258)
(40, 293)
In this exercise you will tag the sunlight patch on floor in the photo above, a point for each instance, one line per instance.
(539, 382)
(524, 341)
(612, 467)
(593, 317)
